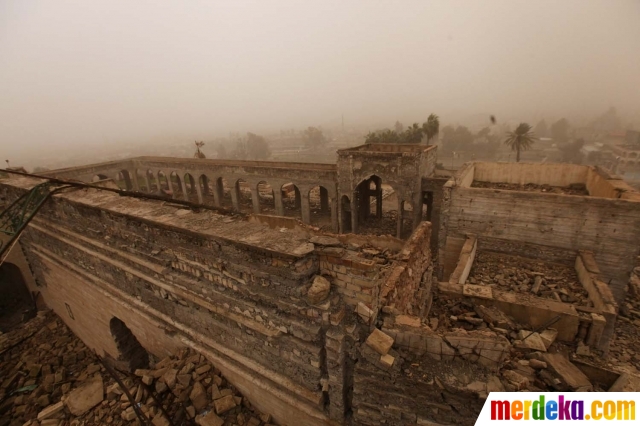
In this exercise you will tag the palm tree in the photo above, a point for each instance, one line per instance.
(521, 139)
(431, 127)
(199, 154)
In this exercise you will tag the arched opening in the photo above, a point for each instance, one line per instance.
(224, 192)
(427, 206)
(131, 354)
(406, 220)
(243, 196)
(99, 177)
(153, 184)
(266, 198)
(291, 200)
(176, 185)
(16, 304)
(143, 184)
(190, 184)
(163, 184)
(377, 207)
(203, 181)
(320, 207)
(124, 180)
(345, 215)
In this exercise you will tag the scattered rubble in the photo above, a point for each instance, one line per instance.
(574, 189)
(50, 378)
(542, 279)
(537, 361)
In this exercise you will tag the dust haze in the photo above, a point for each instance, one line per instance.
(89, 81)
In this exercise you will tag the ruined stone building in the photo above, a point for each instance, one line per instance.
(365, 292)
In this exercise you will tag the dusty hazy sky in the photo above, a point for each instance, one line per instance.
(84, 73)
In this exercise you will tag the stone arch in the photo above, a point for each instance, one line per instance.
(203, 181)
(319, 206)
(153, 181)
(163, 183)
(16, 303)
(266, 198)
(176, 185)
(345, 214)
(243, 200)
(190, 185)
(143, 180)
(131, 354)
(291, 200)
(224, 192)
(376, 207)
(124, 180)
(99, 177)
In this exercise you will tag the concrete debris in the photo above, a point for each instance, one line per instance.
(75, 390)
(570, 376)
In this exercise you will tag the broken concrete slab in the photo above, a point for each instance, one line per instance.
(568, 373)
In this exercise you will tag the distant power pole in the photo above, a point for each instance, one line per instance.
(342, 123)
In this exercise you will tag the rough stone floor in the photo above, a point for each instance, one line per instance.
(50, 378)
(520, 275)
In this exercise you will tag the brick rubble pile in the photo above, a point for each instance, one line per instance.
(50, 378)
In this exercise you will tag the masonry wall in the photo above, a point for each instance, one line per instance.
(427, 382)
(241, 305)
(608, 227)
(407, 288)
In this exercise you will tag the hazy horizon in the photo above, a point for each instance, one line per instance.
(84, 74)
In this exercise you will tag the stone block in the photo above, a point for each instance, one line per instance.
(379, 341)
(481, 291)
(198, 396)
(224, 404)
(86, 396)
(549, 336)
(209, 419)
(408, 320)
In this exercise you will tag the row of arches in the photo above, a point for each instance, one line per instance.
(312, 205)
(371, 208)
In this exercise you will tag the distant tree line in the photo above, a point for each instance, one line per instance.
(414, 134)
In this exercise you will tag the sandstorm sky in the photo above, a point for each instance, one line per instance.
(87, 73)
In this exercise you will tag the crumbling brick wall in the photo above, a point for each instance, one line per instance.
(407, 288)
